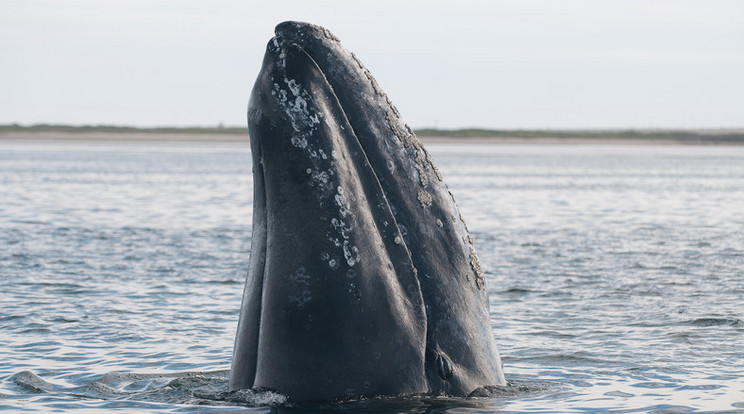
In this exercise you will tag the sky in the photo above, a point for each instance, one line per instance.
(502, 64)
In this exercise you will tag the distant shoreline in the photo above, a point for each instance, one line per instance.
(477, 136)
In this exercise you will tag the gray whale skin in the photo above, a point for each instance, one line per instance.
(363, 279)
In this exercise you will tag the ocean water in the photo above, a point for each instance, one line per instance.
(615, 274)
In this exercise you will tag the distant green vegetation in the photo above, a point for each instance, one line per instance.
(122, 129)
(710, 136)
(683, 136)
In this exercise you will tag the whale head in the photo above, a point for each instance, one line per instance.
(363, 278)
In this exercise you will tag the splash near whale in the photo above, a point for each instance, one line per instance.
(363, 279)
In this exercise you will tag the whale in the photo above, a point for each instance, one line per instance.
(363, 279)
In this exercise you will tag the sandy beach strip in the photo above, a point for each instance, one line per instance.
(547, 141)
(121, 136)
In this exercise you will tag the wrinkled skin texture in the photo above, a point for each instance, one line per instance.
(363, 279)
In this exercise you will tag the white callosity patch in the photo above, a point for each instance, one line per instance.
(321, 180)
(480, 280)
(351, 253)
(297, 104)
(343, 229)
(333, 262)
(340, 228)
(299, 142)
(420, 166)
(341, 202)
(294, 102)
(424, 198)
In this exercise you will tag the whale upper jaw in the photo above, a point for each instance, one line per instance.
(363, 279)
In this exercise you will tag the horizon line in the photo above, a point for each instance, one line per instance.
(237, 128)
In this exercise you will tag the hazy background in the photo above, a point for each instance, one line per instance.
(446, 64)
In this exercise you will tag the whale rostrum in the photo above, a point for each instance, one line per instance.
(363, 279)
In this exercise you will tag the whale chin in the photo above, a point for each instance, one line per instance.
(363, 279)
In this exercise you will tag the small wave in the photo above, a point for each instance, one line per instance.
(31, 382)
(11, 317)
(193, 388)
(249, 397)
(654, 385)
(516, 290)
(62, 319)
(211, 388)
(705, 322)
(576, 359)
(516, 388)
(225, 282)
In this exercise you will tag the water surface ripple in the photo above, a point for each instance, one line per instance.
(615, 274)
